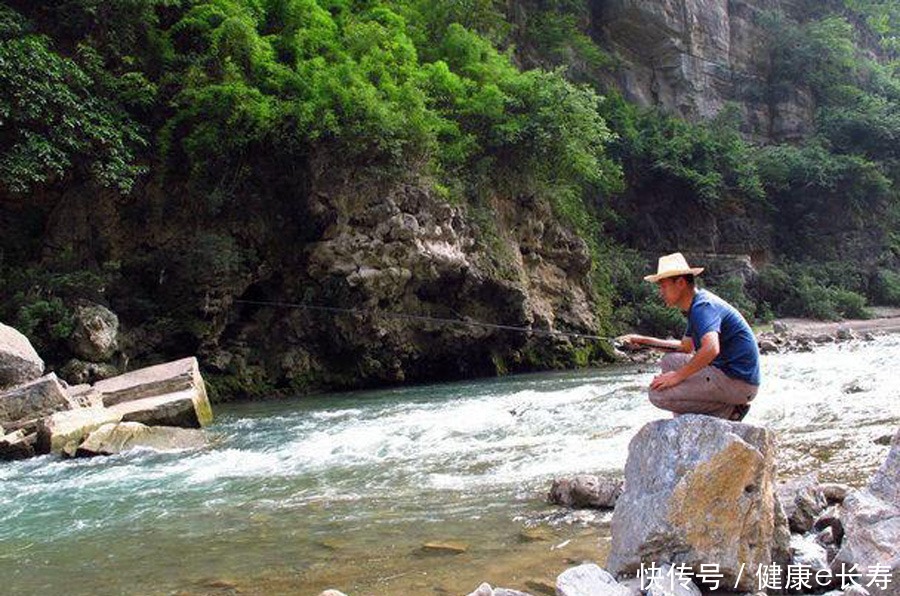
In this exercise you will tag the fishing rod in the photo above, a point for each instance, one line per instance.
(429, 319)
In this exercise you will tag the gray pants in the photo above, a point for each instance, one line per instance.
(708, 391)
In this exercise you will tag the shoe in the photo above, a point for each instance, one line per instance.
(738, 412)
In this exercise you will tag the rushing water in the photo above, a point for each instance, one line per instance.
(344, 490)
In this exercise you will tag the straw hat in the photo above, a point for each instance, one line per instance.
(673, 265)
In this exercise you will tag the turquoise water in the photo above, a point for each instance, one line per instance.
(343, 490)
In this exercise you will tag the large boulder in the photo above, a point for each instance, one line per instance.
(698, 490)
(171, 394)
(24, 405)
(871, 522)
(114, 438)
(177, 388)
(19, 362)
(95, 336)
(63, 432)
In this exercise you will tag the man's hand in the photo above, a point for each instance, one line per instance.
(666, 380)
(631, 341)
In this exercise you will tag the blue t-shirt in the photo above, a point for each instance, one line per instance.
(738, 353)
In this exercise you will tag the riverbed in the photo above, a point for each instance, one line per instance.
(343, 490)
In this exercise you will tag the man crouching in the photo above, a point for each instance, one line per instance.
(714, 368)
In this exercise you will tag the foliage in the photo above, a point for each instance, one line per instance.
(886, 288)
(811, 290)
(51, 120)
(636, 303)
(710, 162)
(819, 193)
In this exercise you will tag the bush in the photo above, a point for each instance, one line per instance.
(806, 290)
(886, 288)
(55, 118)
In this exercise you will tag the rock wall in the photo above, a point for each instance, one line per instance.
(691, 57)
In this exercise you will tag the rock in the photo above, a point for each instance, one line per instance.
(825, 537)
(588, 580)
(24, 405)
(803, 501)
(668, 583)
(780, 328)
(79, 372)
(832, 522)
(781, 545)
(188, 409)
(63, 432)
(871, 523)
(885, 484)
(85, 396)
(95, 335)
(445, 548)
(806, 552)
(541, 586)
(170, 394)
(834, 492)
(151, 381)
(484, 589)
(585, 490)
(854, 386)
(114, 438)
(539, 534)
(767, 346)
(17, 445)
(845, 333)
(19, 362)
(698, 490)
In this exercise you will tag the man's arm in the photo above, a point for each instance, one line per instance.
(709, 349)
(675, 345)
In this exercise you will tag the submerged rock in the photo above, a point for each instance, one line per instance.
(19, 362)
(698, 490)
(445, 548)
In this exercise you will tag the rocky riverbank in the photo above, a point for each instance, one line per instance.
(701, 512)
(158, 407)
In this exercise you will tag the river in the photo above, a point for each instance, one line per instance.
(343, 490)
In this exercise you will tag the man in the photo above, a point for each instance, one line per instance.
(714, 368)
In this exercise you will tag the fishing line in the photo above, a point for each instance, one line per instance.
(425, 318)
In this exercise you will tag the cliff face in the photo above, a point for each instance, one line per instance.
(384, 261)
(691, 57)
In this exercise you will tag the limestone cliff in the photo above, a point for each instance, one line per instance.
(233, 290)
(692, 57)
